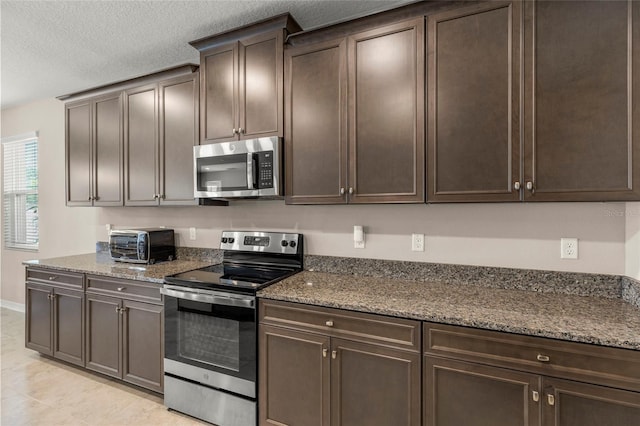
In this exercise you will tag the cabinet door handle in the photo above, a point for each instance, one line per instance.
(324, 352)
(96, 198)
(334, 354)
(551, 400)
(342, 191)
(117, 309)
(90, 198)
(543, 358)
(121, 288)
(49, 296)
(329, 323)
(241, 130)
(516, 185)
(530, 187)
(535, 395)
(350, 190)
(235, 132)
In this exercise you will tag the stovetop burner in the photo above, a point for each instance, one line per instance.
(252, 260)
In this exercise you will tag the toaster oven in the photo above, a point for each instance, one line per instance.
(149, 245)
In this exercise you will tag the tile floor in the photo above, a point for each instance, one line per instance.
(36, 390)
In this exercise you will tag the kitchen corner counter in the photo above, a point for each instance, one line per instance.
(586, 319)
(101, 264)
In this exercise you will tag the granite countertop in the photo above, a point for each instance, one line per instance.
(587, 319)
(101, 264)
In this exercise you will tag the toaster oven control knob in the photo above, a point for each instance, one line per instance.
(224, 240)
(284, 243)
(292, 244)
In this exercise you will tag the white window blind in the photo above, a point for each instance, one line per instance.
(20, 191)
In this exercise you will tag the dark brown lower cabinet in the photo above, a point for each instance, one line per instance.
(54, 324)
(316, 378)
(460, 393)
(125, 339)
(569, 403)
(480, 377)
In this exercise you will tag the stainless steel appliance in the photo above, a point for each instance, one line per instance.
(248, 168)
(211, 350)
(145, 245)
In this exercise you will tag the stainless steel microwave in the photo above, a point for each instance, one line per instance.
(240, 169)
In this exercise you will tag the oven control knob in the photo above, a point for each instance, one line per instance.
(224, 240)
(231, 240)
(284, 243)
(292, 244)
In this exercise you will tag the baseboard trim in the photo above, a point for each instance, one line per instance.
(19, 307)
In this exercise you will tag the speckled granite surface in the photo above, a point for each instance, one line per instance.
(101, 264)
(597, 320)
(631, 291)
(503, 278)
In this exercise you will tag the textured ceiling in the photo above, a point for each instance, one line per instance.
(51, 48)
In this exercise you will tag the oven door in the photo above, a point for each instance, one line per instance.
(210, 338)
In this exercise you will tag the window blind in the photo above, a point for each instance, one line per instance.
(20, 192)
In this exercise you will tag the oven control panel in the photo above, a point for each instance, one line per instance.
(268, 242)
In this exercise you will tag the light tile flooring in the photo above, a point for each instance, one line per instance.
(36, 390)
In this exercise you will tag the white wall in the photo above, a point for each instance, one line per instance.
(511, 235)
(63, 231)
(632, 238)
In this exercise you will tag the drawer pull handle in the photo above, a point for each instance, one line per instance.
(329, 323)
(324, 352)
(542, 358)
(535, 395)
(53, 278)
(334, 354)
(124, 288)
(551, 400)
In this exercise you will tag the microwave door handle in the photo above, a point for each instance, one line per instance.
(250, 171)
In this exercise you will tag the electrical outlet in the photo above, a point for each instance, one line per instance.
(192, 233)
(417, 242)
(568, 248)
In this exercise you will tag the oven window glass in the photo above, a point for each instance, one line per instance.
(210, 340)
(222, 173)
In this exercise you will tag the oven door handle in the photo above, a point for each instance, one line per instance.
(209, 298)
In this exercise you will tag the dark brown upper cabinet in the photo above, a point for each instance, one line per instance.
(241, 81)
(354, 118)
(94, 150)
(473, 87)
(161, 128)
(582, 100)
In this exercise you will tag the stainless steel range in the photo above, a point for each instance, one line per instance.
(211, 327)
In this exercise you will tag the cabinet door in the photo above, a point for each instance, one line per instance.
(38, 333)
(373, 385)
(219, 93)
(178, 134)
(141, 144)
(260, 85)
(108, 151)
(474, 102)
(103, 337)
(582, 114)
(294, 377)
(68, 325)
(315, 124)
(78, 153)
(143, 350)
(386, 114)
(459, 393)
(580, 404)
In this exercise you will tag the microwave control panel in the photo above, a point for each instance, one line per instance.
(265, 169)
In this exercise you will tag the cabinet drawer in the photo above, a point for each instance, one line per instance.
(54, 277)
(577, 361)
(128, 289)
(379, 329)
